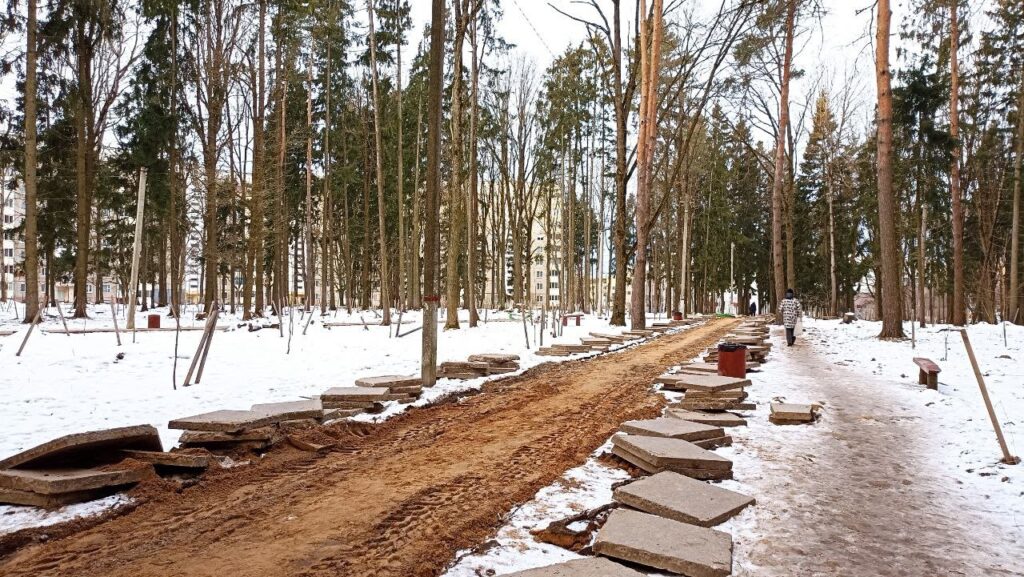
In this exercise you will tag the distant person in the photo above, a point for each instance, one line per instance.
(753, 308)
(791, 313)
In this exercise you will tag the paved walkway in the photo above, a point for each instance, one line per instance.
(868, 491)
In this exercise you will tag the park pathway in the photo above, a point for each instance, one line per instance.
(870, 490)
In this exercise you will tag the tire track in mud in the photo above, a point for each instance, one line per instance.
(396, 499)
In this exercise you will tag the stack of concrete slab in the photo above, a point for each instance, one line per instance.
(401, 388)
(656, 454)
(596, 343)
(615, 338)
(718, 419)
(680, 498)
(755, 354)
(565, 349)
(793, 414)
(76, 468)
(267, 424)
(481, 365)
(665, 544)
(701, 382)
(704, 436)
(711, 368)
(639, 333)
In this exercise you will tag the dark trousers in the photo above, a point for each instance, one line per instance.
(790, 337)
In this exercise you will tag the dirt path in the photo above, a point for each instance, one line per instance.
(399, 499)
(863, 491)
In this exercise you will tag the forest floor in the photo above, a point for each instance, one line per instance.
(398, 498)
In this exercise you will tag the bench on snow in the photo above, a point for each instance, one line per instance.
(929, 373)
(566, 317)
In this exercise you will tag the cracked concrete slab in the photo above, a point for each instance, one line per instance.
(683, 499)
(665, 544)
(716, 419)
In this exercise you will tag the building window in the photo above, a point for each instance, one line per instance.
(538, 260)
(554, 298)
(106, 288)
(9, 252)
(540, 274)
(88, 288)
(22, 287)
(8, 219)
(554, 285)
(540, 286)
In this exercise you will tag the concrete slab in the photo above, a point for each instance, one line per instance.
(701, 368)
(214, 437)
(711, 383)
(639, 462)
(716, 419)
(226, 421)
(789, 412)
(709, 444)
(586, 567)
(683, 499)
(291, 410)
(494, 358)
(360, 394)
(668, 453)
(390, 381)
(334, 414)
(170, 460)
(57, 481)
(30, 499)
(665, 544)
(672, 428)
(94, 447)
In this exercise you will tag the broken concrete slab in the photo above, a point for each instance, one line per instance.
(706, 404)
(226, 421)
(335, 414)
(641, 463)
(665, 544)
(711, 383)
(699, 368)
(30, 499)
(494, 358)
(214, 437)
(789, 413)
(709, 444)
(91, 448)
(350, 405)
(716, 419)
(390, 381)
(683, 499)
(670, 454)
(360, 394)
(57, 481)
(291, 410)
(586, 567)
(170, 460)
(672, 428)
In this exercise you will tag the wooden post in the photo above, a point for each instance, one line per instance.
(136, 250)
(117, 331)
(210, 320)
(35, 321)
(64, 321)
(209, 339)
(1007, 458)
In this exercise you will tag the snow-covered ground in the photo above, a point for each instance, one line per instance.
(820, 487)
(65, 384)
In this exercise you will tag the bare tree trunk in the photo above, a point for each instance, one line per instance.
(259, 188)
(385, 300)
(1013, 311)
(416, 292)
(472, 238)
(621, 118)
(650, 64)
(403, 256)
(31, 234)
(891, 301)
(309, 261)
(921, 264)
(959, 307)
(428, 360)
(778, 263)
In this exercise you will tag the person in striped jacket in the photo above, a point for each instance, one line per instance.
(791, 313)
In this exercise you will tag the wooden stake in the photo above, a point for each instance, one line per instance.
(209, 339)
(1007, 457)
(64, 321)
(136, 250)
(35, 321)
(117, 331)
(210, 319)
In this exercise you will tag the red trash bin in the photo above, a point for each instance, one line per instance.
(732, 360)
(153, 321)
(677, 316)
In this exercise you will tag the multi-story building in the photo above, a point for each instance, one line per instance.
(13, 244)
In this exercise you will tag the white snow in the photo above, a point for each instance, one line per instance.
(65, 384)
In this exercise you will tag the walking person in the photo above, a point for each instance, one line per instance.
(752, 309)
(791, 313)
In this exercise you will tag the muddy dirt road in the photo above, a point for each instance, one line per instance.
(398, 499)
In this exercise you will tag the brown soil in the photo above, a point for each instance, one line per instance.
(397, 499)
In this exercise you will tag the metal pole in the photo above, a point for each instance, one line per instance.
(1007, 457)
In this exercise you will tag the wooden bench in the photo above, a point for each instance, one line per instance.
(929, 373)
(565, 319)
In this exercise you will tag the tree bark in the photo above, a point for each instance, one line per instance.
(31, 234)
(1013, 312)
(428, 360)
(959, 307)
(778, 262)
(891, 297)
